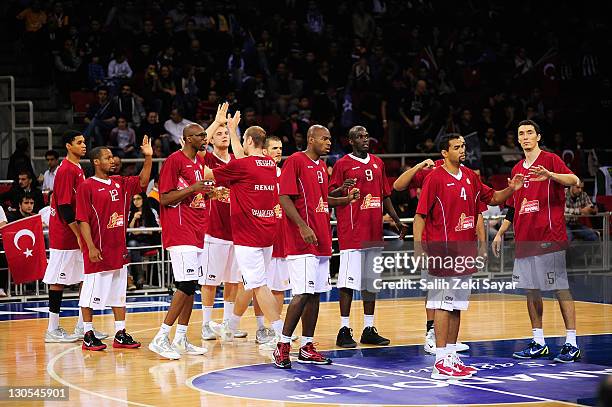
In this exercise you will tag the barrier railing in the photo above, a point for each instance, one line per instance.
(591, 257)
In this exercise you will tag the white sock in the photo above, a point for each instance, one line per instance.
(538, 336)
(260, 321)
(305, 340)
(285, 339)
(54, 322)
(234, 322)
(164, 330)
(451, 348)
(80, 320)
(181, 332)
(278, 327)
(87, 326)
(344, 322)
(368, 320)
(119, 326)
(571, 337)
(228, 309)
(206, 314)
(441, 353)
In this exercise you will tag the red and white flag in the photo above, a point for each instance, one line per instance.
(24, 244)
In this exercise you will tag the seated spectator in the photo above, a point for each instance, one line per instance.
(578, 203)
(48, 178)
(119, 68)
(129, 105)
(25, 185)
(174, 126)
(101, 119)
(141, 216)
(150, 127)
(510, 146)
(67, 63)
(25, 208)
(122, 140)
(20, 160)
(166, 89)
(95, 73)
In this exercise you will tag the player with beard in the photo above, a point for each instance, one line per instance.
(447, 213)
(308, 242)
(360, 233)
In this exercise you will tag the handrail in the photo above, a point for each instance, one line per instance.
(11, 80)
(33, 130)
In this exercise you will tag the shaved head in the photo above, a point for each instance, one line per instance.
(191, 129)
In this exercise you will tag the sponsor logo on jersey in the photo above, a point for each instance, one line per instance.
(322, 206)
(117, 185)
(468, 181)
(223, 195)
(370, 202)
(355, 168)
(529, 206)
(265, 163)
(375, 165)
(263, 213)
(278, 211)
(465, 223)
(198, 202)
(115, 221)
(260, 187)
(190, 271)
(182, 184)
(96, 300)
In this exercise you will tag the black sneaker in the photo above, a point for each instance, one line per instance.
(90, 342)
(370, 336)
(345, 338)
(125, 340)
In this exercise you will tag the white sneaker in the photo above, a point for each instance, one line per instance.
(294, 337)
(161, 346)
(240, 334)
(264, 335)
(270, 346)
(59, 335)
(462, 347)
(222, 331)
(183, 347)
(430, 342)
(207, 333)
(78, 331)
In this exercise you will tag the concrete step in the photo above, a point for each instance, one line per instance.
(40, 105)
(33, 93)
(41, 116)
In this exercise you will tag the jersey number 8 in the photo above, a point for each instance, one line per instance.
(320, 177)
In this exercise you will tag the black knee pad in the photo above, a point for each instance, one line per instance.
(187, 287)
(368, 296)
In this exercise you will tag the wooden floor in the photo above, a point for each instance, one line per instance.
(140, 377)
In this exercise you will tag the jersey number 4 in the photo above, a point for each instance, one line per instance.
(462, 194)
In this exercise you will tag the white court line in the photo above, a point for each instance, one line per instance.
(457, 383)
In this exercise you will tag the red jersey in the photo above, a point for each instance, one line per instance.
(68, 177)
(105, 206)
(306, 182)
(360, 224)
(252, 181)
(219, 225)
(539, 208)
(450, 205)
(185, 222)
(278, 250)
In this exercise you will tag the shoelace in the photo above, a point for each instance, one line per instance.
(62, 330)
(566, 348)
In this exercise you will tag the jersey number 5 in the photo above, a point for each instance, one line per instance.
(463, 194)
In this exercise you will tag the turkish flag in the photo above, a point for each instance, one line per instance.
(24, 244)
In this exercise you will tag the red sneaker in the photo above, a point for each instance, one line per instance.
(458, 363)
(308, 354)
(445, 369)
(281, 355)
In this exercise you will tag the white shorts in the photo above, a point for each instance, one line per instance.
(545, 272)
(219, 264)
(448, 293)
(65, 267)
(278, 275)
(254, 263)
(357, 269)
(105, 289)
(308, 274)
(186, 262)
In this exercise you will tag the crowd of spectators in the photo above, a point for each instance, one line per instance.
(407, 70)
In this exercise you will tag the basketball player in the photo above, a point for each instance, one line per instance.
(103, 205)
(447, 212)
(414, 178)
(278, 275)
(360, 233)
(539, 232)
(65, 258)
(253, 184)
(184, 220)
(304, 199)
(219, 258)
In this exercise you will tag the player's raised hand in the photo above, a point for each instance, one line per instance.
(539, 173)
(232, 122)
(94, 255)
(516, 182)
(428, 163)
(146, 148)
(221, 117)
(308, 235)
(353, 195)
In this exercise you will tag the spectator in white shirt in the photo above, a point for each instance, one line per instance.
(3, 220)
(119, 68)
(48, 178)
(174, 126)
